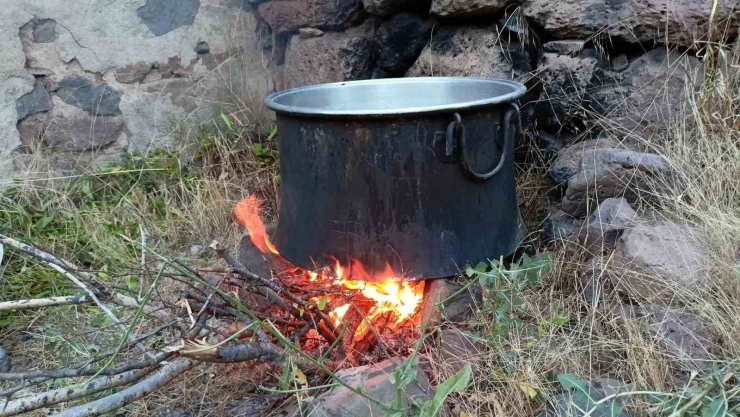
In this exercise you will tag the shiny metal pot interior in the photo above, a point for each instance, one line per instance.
(415, 173)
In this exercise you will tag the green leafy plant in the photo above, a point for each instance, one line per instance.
(502, 288)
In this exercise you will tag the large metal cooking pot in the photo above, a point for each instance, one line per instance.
(415, 173)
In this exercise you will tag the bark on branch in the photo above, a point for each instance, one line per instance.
(133, 393)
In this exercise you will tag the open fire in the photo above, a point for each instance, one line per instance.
(388, 290)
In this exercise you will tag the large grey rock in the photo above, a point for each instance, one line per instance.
(80, 132)
(568, 162)
(341, 402)
(399, 41)
(164, 16)
(677, 22)
(610, 172)
(459, 8)
(471, 51)
(657, 260)
(332, 57)
(645, 97)
(44, 30)
(681, 334)
(566, 81)
(97, 99)
(289, 15)
(36, 101)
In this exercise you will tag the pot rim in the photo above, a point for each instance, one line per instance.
(517, 91)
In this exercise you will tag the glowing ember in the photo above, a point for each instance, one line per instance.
(389, 291)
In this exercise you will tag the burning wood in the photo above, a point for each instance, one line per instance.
(388, 290)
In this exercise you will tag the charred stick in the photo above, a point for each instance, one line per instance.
(370, 326)
(133, 393)
(266, 352)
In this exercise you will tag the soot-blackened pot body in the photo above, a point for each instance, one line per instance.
(412, 173)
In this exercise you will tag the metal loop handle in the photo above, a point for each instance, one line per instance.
(457, 129)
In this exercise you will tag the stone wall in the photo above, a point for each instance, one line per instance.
(91, 80)
(589, 64)
(84, 82)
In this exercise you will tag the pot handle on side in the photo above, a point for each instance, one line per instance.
(456, 130)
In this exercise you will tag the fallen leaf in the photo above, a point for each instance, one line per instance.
(528, 389)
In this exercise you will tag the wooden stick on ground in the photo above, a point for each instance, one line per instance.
(50, 260)
(45, 302)
(133, 393)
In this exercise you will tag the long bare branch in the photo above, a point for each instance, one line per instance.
(86, 371)
(133, 393)
(44, 302)
(48, 398)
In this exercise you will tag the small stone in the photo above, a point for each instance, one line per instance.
(399, 41)
(613, 214)
(341, 402)
(654, 260)
(559, 226)
(133, 73)
(389, 7)
(681, 333)
(564, 47)
(4, 361)
(620, 63)
(202, 48)
(605, 225)
(36, 101)
(44, 30)
(306, 33)
(96, 99)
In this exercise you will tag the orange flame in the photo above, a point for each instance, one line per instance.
(386, 288)
(247, 212)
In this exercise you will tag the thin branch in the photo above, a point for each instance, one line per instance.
(57, 396)
(51, 260)
(86, 371)
(45, 302)
(133, 393)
